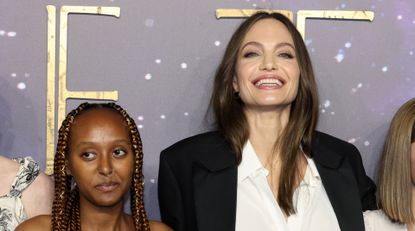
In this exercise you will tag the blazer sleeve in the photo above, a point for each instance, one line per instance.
(367, 187)
(170, 199)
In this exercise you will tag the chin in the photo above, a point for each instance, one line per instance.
(108, 204)
(108, 201)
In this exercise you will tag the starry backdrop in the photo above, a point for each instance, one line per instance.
(161, 57)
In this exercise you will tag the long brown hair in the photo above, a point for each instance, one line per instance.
(395, 181)
(65, 209)
(231, 120)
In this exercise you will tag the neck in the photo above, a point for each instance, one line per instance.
(264, 129)
(95, 218)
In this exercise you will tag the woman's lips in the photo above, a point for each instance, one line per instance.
(267, 82)
(107, 187)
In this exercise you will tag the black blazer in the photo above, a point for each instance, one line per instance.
(197, 183)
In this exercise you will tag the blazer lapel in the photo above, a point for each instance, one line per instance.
(215, 185)
(340, 185)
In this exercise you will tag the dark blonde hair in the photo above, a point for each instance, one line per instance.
(231, 120)
(65, 210)
(395, 181)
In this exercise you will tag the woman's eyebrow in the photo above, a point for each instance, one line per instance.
(255, 43)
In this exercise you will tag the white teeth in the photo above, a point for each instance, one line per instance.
(269, 82)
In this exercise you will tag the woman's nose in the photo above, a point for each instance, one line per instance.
(268, 63)
(105, 165)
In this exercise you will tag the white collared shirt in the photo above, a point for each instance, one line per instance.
(257, 208)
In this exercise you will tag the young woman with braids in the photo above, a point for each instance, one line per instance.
(98, 160)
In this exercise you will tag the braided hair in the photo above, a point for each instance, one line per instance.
(65, 209)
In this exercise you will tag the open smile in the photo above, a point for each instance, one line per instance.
(268, 82)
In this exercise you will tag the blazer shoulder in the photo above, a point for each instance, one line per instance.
(209, 149)
(331, 151)
(196, 142)
(333, 143)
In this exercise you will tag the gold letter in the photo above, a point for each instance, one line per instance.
(302, 15)
(244, 13)
(63, 92)
(50, 88)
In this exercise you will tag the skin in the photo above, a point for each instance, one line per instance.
(43, 222)
(101, 158)
(267, 53)
(41, 189)
(101, 161)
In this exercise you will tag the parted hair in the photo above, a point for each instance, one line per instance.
(232, 123)
(394, 177)
(65, 210)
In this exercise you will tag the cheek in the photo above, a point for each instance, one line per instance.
(82, 174)
(242, 82)
(295, 79)
(125, 168)
(81, 171)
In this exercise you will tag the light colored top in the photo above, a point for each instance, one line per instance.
(11, 207)
(378, 221)
(257, 208)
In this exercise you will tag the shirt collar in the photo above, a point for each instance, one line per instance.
(250, 164)
(311, 177)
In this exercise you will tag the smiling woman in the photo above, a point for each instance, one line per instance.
(266, 168)
(98, 160)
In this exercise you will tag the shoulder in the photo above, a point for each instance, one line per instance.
(42, 183)
(198, 142)
(331, 142)
(38, 223)
(38, 197)
(8, 166)
(377, 220)
(9, 162)
(325, 143)
(158, 226)
(331, 151)
(8, 171)
(208, 149)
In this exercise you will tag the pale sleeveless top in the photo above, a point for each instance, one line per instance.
(11, 207)
(377, 220)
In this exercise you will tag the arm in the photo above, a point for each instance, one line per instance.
(170, 198)
(38, 197)
(39, 223)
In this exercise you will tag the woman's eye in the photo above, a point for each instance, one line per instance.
(88, 155)
(286, 55)
(119, 152)
(250, 54)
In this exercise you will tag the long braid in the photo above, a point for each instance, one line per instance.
(65, 210)
(137, 186)
(65, 198)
